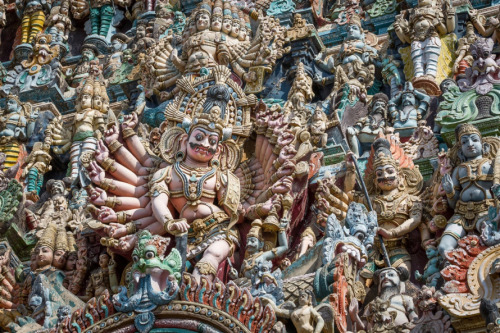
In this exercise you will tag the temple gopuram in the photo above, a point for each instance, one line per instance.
(250, 166)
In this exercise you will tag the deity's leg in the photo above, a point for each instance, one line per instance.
(36, 24)
(107, 14)
(33, 181)
(76, 150)
(394, 87)
(95, 19)
(449, 240)
(353, 141)
(213, 256)
(431, 55)
(25, 27)
(416, 57)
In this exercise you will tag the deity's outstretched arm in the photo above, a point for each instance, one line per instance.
(116, 169)
(97, 175)
(134, 144)
(100, 197)
(108, 215)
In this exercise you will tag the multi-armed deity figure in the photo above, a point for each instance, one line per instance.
(365, 131)
(88, 125)
(471, 187)
(392, 185)
(423, 28)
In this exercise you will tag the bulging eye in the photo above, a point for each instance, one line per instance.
(213, 142)
(199, 137)
(150, 255)
(135, 258)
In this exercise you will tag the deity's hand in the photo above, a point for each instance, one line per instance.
(286, 169)
(282, 186)
(107, 215)
(96, 173)
(111, 135)
(286, 153)
(181, 226)
(116, 230)
(285, 138)
(387, 234)
(250, 77)
(98, 196)
(102, 152)
(127, 243)
(130, 121)
(447, 183)
(493, 21)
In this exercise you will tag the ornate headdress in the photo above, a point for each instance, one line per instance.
(218, 8)
(466, 129)
(383, 155)
(227, 9)
(356, 20)
(205, 7)
(61, 240)
(255, 230)
(48, 237)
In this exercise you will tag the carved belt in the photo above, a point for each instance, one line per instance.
(470, 209)
(390, 244)
(200, 226)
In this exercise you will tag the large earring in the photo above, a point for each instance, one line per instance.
(179, 156)
(215, 163)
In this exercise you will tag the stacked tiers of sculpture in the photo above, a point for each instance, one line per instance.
(249, 166)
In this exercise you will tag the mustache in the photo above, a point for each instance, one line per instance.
(386, 179)
(195, 145)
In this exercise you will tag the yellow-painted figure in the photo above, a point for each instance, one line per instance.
(32, 14)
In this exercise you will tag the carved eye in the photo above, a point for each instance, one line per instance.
(150, 255)
(199, 137)
(135, 258)
(213, 142)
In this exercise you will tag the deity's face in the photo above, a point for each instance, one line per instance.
(261, 270)
(389, 278)
(87, 55)
(243, 34)
(253, 245)
(447, 84)
(235, 29)
(408, 100)
(86, 101)
(304, 298)
(178, 17)
(387, 177)
(59, 260)
(431, 252)
(202, 145)
(71, 262)
(379, 107)
(103, 260)
(471, 145)
(12, 105)
(44, 256)
(354, 32)
(216, 23)
(227, 25)
(141, 31)
(60, 204)
(57, 188)
(202, 21)
(97, 102)
(46, 146)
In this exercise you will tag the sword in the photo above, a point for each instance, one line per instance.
(370, 207)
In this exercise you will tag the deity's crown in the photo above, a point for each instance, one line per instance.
(255, 230)
(227, 9)
(206, 7)
(48, 237)
(355, 20)
(383, 155)
(214, 111)
(14, 97)
(218, 8)
(61, 240)
(466, 129)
